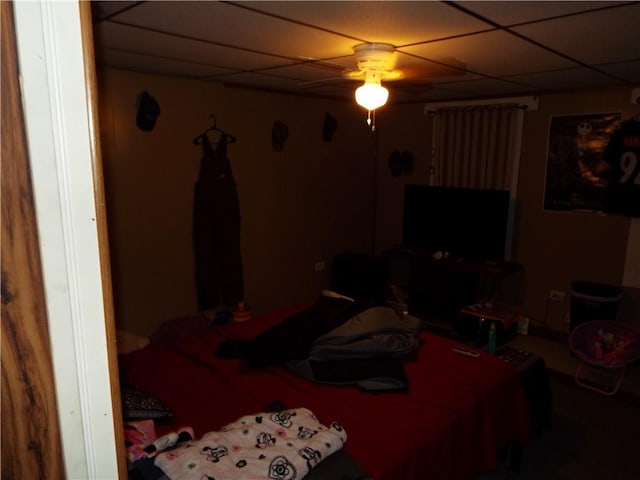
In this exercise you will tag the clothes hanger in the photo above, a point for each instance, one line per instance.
(198, 140)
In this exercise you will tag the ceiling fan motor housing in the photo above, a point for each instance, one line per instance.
(377, 60)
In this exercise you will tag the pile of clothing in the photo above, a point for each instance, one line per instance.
(338, 340)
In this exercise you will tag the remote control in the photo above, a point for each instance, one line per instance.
(464, 351)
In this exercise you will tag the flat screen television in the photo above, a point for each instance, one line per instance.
(467, 223)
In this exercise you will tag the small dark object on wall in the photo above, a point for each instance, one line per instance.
(279, 135)
(400, 163)
(148, 111)
(394, 164)
(329, 127)
(406, 162)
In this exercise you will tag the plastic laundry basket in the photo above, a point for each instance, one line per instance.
(609, 346)
(593, 301)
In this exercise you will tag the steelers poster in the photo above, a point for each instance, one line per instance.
(573, 177)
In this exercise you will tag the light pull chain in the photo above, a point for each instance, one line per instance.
(371, 120)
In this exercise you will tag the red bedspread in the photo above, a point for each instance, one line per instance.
(458, 413)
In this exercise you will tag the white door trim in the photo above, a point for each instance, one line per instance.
(57, 118)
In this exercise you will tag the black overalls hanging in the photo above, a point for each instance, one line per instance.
(216, 230)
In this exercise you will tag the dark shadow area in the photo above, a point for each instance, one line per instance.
(590, 437)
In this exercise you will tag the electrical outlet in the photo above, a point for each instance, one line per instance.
(557, 295)
(318, 267)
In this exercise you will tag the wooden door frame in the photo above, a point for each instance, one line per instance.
(59, 94)
(28, 391)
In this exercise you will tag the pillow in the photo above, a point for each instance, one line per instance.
(139, 404)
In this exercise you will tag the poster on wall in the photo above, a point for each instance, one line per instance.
(576, 144)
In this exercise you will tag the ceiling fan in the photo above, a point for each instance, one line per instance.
(381, 58)
(375, 63)
(371, 58)
(374, 59)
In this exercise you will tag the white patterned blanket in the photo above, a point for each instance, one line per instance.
(271, 446)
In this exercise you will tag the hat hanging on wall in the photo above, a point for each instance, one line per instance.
(329, 127)
(279, 135)
(400, 163)
(148, 111)
(406, 160)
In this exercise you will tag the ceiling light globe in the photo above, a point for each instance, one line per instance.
(371, 96)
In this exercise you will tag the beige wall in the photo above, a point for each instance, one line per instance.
(299, 206)
(557, 248)
(400, 127)
(314, 199)
(554, 248)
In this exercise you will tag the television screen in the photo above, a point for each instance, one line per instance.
(466, 222)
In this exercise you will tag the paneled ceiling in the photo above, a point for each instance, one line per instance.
(446, 50)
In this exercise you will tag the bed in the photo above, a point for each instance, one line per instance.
(452, 420)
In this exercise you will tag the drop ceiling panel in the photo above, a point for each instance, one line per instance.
(444, 69)
(111, 35)
(444, 81)
(572, 78)
(450, 52)
(344, 92)
(629, 71)
(511, 13)
(156, 65)
(398, 23)
(238, 27)
(105, 9)
(599, 37)
(493, 53)
(262, 80)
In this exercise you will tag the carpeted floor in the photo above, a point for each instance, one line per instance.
(590, 437)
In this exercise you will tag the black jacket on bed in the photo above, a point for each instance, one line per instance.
(336, 341)
(293, 338)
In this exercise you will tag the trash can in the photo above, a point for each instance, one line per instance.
(593, 301)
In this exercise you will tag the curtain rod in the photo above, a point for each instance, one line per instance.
(528, 103)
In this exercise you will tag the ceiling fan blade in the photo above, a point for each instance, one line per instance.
(443, 67)
(325, 63)
(354, 74)
(329, 80)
